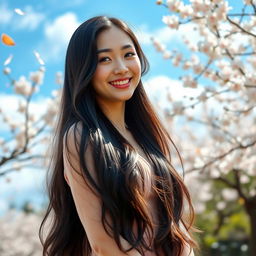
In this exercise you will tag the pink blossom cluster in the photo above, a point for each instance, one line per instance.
(19, 234)
(28, 122)
(217, 137)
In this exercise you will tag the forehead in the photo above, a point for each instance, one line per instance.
(113, 38)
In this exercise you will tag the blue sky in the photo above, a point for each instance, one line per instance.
(46, 28)
(48, 25)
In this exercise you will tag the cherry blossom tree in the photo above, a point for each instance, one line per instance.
(218, 61)
(30, 126)
(19, 234)
(26, 131)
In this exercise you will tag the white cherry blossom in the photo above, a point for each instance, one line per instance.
(221, 205)
(229, 194)
(174, 5)
(171, 21)
(23, 86)
(185, 11)
(37, 77)
(189, 81)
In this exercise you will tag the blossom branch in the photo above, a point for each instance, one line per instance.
(12, 169)
(221, 156)
(241, 28)
(240, 111)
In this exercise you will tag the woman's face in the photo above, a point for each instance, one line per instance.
(118, 70)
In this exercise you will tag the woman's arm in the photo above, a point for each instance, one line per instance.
(88, 203)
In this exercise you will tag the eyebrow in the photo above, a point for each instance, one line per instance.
(110, 50)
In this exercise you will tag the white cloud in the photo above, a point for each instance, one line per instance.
(31, 20)
(9, 105)
(159, 86)
(28, 178)
(28, 184)
(166, 35)
(58, 33)
(142, 34)
(6, 14)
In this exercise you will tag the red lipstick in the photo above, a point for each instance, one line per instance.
(121, 83)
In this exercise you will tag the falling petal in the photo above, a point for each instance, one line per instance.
(38, 57)
(7, 40)
(7, 71)
(8, 60)
(19, 11)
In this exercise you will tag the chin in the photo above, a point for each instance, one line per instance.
(124, 98)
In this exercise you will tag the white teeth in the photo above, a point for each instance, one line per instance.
(120, 82)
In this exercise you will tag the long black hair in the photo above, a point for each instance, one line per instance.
(119, 190)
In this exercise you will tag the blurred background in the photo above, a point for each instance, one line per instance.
(202, 83)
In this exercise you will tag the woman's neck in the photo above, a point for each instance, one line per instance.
(115, 112)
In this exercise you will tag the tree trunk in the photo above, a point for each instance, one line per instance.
(250, 205)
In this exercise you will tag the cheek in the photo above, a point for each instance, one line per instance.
(138, 64)
(96, 80)
(100, 75)
(137, 67)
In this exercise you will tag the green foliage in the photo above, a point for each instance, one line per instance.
(227, 223)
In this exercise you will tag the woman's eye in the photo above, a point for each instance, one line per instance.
(103, 59)
(130, 54)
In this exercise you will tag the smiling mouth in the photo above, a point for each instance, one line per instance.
(121, 84)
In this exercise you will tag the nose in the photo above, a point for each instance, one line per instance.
(120, 67)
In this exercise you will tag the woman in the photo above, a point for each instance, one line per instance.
(113, 190)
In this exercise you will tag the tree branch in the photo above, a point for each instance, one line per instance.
(238, 183)
(240, 14)
(241, 28)
(221, 218)
(218, 158)
(6, 171)
(244, 111)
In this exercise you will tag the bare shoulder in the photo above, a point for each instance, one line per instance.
(71, 155)
(72, 139)
(73, 135)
